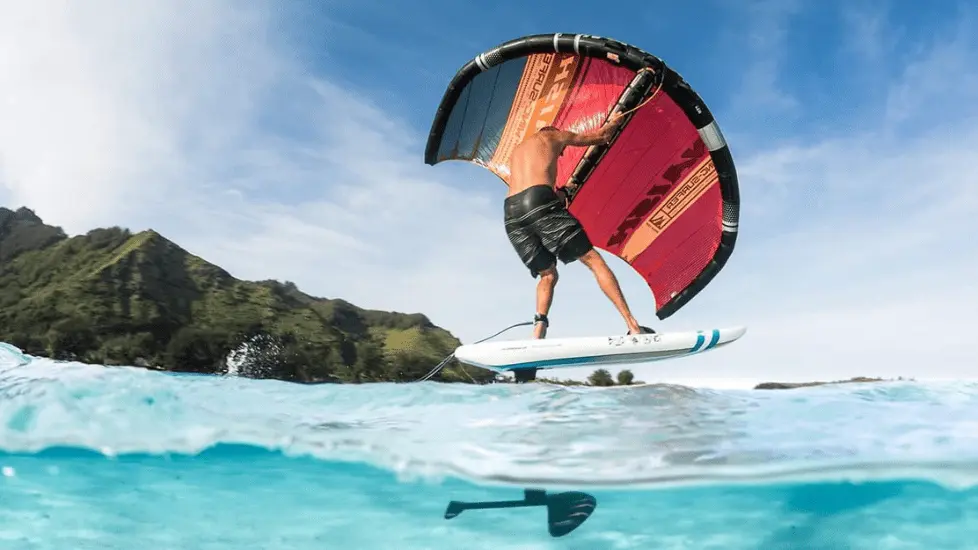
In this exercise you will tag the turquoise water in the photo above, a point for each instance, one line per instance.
(107, 457)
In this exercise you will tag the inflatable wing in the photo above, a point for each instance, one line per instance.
(663, 195)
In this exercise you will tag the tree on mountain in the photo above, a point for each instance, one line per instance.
(70, 339)
(196, 349)
(625, 377)
(601, 377)
(370, 364)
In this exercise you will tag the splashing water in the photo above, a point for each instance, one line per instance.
(110, 457)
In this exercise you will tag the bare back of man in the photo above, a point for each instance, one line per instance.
(540, 227)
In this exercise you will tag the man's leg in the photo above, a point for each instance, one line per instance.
(521, 211)
(545, 297)
(563, 234)
(609, 285)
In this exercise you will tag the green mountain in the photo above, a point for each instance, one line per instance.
(114, 297)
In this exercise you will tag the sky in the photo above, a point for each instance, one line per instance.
(286, 141)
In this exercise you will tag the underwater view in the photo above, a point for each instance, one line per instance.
(260, 263)
(118, 457)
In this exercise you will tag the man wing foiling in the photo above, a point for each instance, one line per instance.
(542, 229)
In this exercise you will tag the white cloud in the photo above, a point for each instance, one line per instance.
(108, 106)
(869, 32)
(941, 76)
(762, 29)
(186, 117)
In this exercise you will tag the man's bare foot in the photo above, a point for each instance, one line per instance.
(639, 329)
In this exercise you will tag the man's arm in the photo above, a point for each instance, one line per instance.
(596, 137)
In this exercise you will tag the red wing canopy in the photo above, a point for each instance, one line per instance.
(662, 196)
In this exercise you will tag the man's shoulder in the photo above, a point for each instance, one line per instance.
(536, 138)
(550, 138)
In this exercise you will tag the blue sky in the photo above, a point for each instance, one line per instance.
(287, 143)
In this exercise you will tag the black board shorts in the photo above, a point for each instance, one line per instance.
(541, 229)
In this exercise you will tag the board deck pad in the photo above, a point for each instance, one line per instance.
(548, 353)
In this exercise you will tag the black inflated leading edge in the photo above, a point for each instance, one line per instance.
(635, 59)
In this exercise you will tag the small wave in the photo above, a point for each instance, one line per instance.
(512, 434)
(11, 356)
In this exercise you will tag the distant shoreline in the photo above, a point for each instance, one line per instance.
(15, 351)
(794, 385)
(692, 382)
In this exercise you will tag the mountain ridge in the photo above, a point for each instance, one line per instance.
(115, 297)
